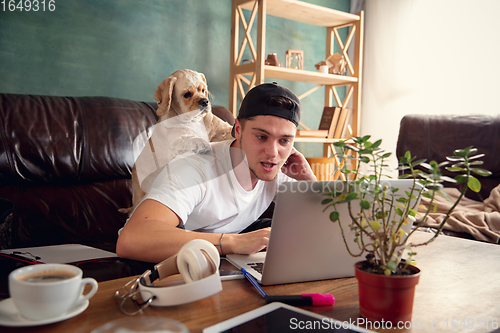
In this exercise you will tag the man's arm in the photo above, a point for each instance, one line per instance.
(297, 167)
(152, 235)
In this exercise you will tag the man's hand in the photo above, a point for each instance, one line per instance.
(151, 235)
(246, 243)
(297, 167)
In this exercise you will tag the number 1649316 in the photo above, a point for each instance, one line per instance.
(28, 5)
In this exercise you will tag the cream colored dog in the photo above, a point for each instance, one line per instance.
(186, 124)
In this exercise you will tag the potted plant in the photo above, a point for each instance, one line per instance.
(381, 219)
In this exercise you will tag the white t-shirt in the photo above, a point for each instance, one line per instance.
(204, 192)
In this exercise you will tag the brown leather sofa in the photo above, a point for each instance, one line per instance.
(65, 167)
(433, 137)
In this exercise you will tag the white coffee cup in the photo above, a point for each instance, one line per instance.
(48, 290)
(323, 69)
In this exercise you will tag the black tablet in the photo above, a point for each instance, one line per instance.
(279, 317)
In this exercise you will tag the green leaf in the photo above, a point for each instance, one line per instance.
(474, 184)
(448, 179)
(334, 216)
(364, 159)
(481, 172)
(418, 162)
(435, 187)
(412, 212)
(435, 165)
(404, 176)
(456, 169)
(427, 166)
(386, 155)
(471, 151)
(353, 148)
(398, 211)
(339, 144)
(409, 195)
(375, 225)
(465, 152)
(376, 144)
(326, 201)
(391, 265)
(455, 158)
(351, 196)
(476, 156)
(461, 179)
(365, 138)
(365, 204)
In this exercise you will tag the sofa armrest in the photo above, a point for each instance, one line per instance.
(433, 137)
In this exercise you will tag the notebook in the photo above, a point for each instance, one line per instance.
(304, 245)
(58, 254)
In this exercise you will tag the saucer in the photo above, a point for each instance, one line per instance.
(10, 317)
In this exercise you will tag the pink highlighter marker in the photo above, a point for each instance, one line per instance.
(296, 300)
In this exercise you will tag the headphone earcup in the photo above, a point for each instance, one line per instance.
(197, 259)
(197, 266)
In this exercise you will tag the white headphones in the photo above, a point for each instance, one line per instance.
(198, 263)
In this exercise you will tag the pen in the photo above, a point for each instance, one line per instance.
(21, 258)
(296, 300)
(255, 283)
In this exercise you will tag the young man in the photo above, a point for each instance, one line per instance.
(215, 196)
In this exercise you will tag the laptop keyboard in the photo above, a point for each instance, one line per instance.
(258, 266)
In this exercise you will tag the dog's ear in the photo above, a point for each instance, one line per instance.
(163, 95)
(203, 77)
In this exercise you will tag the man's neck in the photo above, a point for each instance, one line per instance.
(243, 174)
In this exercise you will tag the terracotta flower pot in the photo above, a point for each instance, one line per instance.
(388, 298)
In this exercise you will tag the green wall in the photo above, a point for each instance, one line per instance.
(125, 48)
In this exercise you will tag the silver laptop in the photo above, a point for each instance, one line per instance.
(304, 244)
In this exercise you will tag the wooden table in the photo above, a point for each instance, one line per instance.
(458, 291)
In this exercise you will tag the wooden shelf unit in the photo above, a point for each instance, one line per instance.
(257, 71)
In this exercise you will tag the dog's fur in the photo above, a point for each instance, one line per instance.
(186, 124)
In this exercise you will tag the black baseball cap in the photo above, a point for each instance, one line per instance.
(256, 103)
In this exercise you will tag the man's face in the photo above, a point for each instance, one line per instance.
(267, 142)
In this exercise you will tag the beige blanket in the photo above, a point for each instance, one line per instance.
(480, 219)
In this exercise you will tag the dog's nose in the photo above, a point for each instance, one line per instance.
(203, 102)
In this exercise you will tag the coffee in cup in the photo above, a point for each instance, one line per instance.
(47, 276)
(48, 290)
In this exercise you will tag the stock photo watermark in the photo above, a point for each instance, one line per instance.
(28, 5)
(429, 325)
